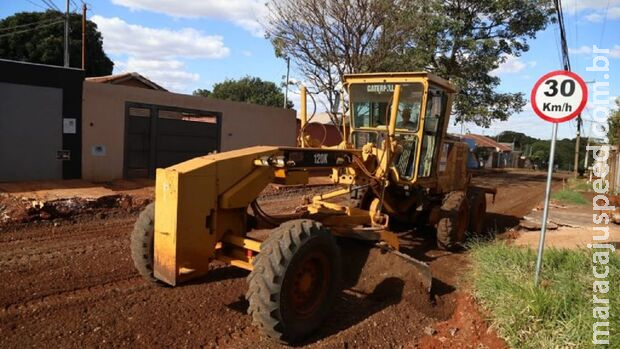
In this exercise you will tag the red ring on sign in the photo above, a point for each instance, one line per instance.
(584, 96)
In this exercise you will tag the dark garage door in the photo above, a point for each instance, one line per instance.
(161, 136)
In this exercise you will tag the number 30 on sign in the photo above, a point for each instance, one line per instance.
(559, 96)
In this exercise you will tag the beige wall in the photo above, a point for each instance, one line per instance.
(103, 123)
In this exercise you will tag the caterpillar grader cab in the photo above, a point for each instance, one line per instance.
(396, 161)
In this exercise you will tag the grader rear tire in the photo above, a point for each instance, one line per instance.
(142, 243)
(453, 221)
(295, 280)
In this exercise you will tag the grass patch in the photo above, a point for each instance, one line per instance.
(579, 184)
(556, 315)
(570, 197)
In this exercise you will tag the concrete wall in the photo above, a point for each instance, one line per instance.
(242, 124)
(34, 102)
(30, 132)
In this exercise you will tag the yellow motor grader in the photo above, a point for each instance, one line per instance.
(396, 159)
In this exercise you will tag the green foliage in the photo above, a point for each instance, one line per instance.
(463, 41)
(614, 124)
(556, 315)
(45, 44)
(570, 197)
(538, 150)
(520, 140)
(579, 184)
(202, 92)
(248, 89)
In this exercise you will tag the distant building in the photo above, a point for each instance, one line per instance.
(500, 154)
(127, 79)
(55, 124)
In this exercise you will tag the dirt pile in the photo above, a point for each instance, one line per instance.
(14, 210)
(466, 328)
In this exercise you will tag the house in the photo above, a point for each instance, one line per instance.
(132, 79)
(57, 124)
(491, 153)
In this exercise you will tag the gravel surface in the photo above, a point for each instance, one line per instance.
(72, 284)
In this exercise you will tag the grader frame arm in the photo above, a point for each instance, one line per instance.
(201, 211)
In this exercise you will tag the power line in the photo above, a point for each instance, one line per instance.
(604, 22)
(29, 24)
(37, 5)
(51, 5)
(30, 29)
(565, 57)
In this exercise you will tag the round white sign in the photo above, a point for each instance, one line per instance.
(559, 96)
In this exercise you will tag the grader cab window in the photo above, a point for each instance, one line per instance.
(435, 110)
(371, 104)
(409, 106)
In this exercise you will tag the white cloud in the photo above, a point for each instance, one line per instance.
(573, 6)
(512, 65)
(244, 13)
(247, 53)
(171, 74)
(594, 17)
(599, 16)
(614, 52)
(583, 50)
(120, 37)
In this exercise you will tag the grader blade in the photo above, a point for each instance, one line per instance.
(368, 268)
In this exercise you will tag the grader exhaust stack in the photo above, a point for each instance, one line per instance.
(396, 162)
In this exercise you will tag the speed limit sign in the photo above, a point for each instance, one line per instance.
(559, 96)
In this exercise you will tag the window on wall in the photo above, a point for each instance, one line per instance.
(140, 112)
(187, 116)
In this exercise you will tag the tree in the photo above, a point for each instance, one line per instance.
(202, 92)
(614, 124)
(519, 139)
(329, 38)
(38, 37)
(248, 89)
(463, 41)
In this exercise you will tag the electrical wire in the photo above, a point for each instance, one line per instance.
(30, 29)
(45, 21)
(51, 5)
(37, 5)
(604, 22)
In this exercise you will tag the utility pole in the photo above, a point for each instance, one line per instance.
(288, 67)
(83, 36)
(577, 141)
(67, 36)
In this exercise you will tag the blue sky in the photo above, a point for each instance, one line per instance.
(191, 44)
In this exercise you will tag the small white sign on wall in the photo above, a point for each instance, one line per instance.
(98, 150)
(69, 126)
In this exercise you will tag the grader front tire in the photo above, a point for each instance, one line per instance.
(295, 280)
(142, 239)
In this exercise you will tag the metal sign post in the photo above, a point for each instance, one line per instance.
(543, 230)
(557, 97)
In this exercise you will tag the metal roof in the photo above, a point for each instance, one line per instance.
(404, 75)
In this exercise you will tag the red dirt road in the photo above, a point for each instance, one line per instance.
(74, 285)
